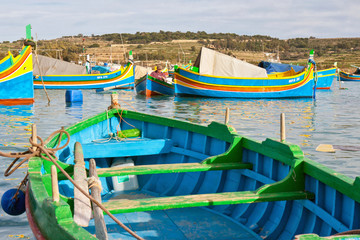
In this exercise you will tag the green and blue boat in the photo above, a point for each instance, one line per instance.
(169, 179)
(150, 86)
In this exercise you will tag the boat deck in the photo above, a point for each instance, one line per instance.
(183, 223)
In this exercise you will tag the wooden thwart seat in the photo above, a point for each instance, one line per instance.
(170, 168)
(201, 200)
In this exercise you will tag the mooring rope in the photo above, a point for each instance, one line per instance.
(39, 150)
(41, 76)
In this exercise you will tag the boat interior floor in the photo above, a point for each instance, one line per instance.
(182, 223)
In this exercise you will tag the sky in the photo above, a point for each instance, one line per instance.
(282, 19)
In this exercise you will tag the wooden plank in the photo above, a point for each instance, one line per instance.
(100, 227)
(169, 168)
(82, 207)
(128, 147)
(200, 200)
(54, 184)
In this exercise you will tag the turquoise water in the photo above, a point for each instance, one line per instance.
(331, 119)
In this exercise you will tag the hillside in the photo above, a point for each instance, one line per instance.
(178, 47)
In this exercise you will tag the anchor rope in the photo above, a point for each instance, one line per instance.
(39, 150)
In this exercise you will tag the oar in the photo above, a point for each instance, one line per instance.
(332, 148)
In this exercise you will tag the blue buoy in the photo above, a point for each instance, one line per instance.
(73, 96)
(14, 206)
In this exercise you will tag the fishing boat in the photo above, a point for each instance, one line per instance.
(236, 79)
(162, 178)
(122, 78)
(344, 76)
(150, 86)
(325, 77)
(16, 85)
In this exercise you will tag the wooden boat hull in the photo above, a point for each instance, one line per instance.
(325, 78)
(150, 86)
(348, 76)
(191, 83)
(16, 86)
(118, 79)
(196, 182)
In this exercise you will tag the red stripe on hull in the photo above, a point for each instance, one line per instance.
(17, 101)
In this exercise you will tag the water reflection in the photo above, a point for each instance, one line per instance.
(74, 109)
(254, 118)
(15, 124)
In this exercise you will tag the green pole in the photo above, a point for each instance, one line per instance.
(28, 32)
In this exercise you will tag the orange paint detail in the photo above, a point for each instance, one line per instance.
(17, 101)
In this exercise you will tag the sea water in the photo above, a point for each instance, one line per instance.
(332, 118)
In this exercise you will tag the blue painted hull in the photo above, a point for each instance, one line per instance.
(16, 85)
(6, 63)
(349, 77)
(117, 79)
(150, 86)
(140, 85)
(11, 90)
(325, 78)
(332, 211)
(190, 83)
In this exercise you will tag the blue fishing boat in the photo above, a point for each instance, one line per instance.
(344, 76)
(233, 78)
(16, 85)
(162, 178)
(122, 78)
(150, 86)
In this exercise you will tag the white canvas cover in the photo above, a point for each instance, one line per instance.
(214, 63)
(141, 71)
(52, 66)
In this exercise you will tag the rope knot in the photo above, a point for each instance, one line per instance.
(93, 182)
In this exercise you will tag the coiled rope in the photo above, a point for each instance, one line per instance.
(39, 150)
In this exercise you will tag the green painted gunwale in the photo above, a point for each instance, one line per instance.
(161, 82)
(56, 218)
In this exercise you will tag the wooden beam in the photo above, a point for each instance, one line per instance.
(82, 207)
(54, 184)
(170, 168)
(100, 226)
(200, 200)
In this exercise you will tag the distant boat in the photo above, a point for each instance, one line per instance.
(178, 180)
(325, 76)
(150, 86)
(344, 76)
(122, 78)
(16, 84)
(236, 79)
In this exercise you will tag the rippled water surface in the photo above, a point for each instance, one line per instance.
(332, 118)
